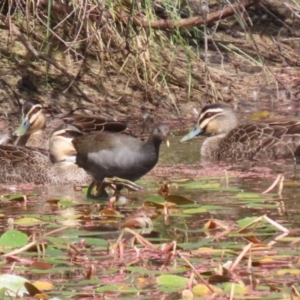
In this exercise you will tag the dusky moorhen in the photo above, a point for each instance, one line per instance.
(106, 155)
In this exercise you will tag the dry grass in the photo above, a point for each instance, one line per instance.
(108, 47)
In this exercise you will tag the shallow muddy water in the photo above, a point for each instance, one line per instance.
(200, 192)
(205, 183)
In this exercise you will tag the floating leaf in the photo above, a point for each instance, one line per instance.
(288, 272)
(41, 265)
(247, 221)
(197, 210)
(43, 285)
(13, 197)
(198, 244)
(31, 289)
(66, 203)
(177, 199)
(96, 242)
(42, 297)
(187, 295)
(201, 185)
(172, 282)
(13, 239)
(107, 288)
(158, 199)
(28, 221)
(214, 207)
(13, 285)
(159, 205)
(202, 289)
(262, 205)
(249, 196)
(237, 288)
(143, 270)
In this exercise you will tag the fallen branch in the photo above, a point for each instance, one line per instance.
(194, 21)
(164, 24)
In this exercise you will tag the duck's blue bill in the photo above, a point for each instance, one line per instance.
(23, 128)
(192, 134)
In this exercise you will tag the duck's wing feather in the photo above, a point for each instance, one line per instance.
(262, 141)
(23, 165)
(87, 123)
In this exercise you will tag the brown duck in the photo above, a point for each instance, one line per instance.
(227, 140)
(35, 130)
(32, 165)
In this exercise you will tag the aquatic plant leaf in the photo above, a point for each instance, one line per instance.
(288, 272)
(247, 221)
(177, 199)
(28, 221)
(202, 289)
(54, 252)
(201, 185)
(187, 295)
(158, 205)
(249, 196)
(144, 271)
(262, 205)
(43, 285)
(66, 203)
(238, 288)
(154, 198)
(57, 240)
(13, 239)
(31, 289)
(13, 197)
(214, 207)
(2, 293)
(172, 282)
(13, 284)
(107, 288)
(197, 245)
(96, 242)
(41, 265)
(198, 210)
